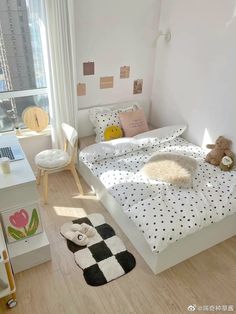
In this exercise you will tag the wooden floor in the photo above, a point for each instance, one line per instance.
(58, 286)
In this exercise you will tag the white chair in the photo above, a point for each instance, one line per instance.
(55, 160)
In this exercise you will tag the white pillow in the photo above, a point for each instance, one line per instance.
(166, 133)
(103, 119)
(95, 110)
(109, 108)
(100, 151)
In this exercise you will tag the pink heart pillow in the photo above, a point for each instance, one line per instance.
(133, 122)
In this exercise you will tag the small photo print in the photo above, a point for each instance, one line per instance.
(124, 72)
(138, 87)
(21, 222)
(106, 82)
(88, 68)
(81, 89)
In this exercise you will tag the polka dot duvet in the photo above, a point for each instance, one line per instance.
(164, 213)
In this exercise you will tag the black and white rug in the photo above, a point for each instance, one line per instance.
(105, 258)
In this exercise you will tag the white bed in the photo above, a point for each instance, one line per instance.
(197, 226)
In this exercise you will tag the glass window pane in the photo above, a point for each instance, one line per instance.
(21, 52)
(21, 103)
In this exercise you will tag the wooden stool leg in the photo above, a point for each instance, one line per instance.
(45, 187)
(38, 176)
(77, 181)
(10, 303)
(13, 296)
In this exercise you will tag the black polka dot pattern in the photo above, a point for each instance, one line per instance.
(165, 213)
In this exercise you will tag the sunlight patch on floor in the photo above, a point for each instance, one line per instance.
(70, 211)
(86, 197)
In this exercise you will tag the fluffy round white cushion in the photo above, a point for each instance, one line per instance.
(171, 168)
(52, 158)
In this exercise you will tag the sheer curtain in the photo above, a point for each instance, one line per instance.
(60, 25)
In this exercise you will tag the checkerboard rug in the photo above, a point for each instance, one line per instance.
(105, 257)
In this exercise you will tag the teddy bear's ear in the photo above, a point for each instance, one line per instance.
(219, 139)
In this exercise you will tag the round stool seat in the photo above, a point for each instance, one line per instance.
(52, 158)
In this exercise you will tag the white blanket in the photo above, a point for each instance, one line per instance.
(162, 212)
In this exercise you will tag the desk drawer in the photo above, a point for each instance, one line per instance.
(19, 195)
(29, 252)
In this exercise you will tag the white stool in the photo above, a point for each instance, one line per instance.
(55, 160)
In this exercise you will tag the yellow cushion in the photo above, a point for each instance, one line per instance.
(112, 132)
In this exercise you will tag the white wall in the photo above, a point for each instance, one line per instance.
(113, 34)
(195, 74)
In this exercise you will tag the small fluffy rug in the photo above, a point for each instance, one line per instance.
(172, 168)
(105, 258)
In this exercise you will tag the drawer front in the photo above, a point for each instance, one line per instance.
(22, 194)
(21, 222)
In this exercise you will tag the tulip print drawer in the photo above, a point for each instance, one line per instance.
(21, 222)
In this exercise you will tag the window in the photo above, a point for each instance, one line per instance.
(22, 66)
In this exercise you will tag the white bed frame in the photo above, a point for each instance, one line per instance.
(174, 253)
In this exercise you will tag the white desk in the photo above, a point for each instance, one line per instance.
(18, 189)
(21, 170)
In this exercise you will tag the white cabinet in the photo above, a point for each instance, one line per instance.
(18, 189)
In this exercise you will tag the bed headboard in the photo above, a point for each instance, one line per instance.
(85, 127)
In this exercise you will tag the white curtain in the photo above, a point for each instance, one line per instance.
(60, 25)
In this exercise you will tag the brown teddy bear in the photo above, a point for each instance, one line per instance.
(220, 149)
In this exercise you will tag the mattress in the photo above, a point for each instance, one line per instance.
(164, 213)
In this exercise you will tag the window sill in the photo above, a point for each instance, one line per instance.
(26, 133)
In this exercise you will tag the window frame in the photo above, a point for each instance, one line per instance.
(23, 93)
(29, 92)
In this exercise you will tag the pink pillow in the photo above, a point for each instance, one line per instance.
(133, 122)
